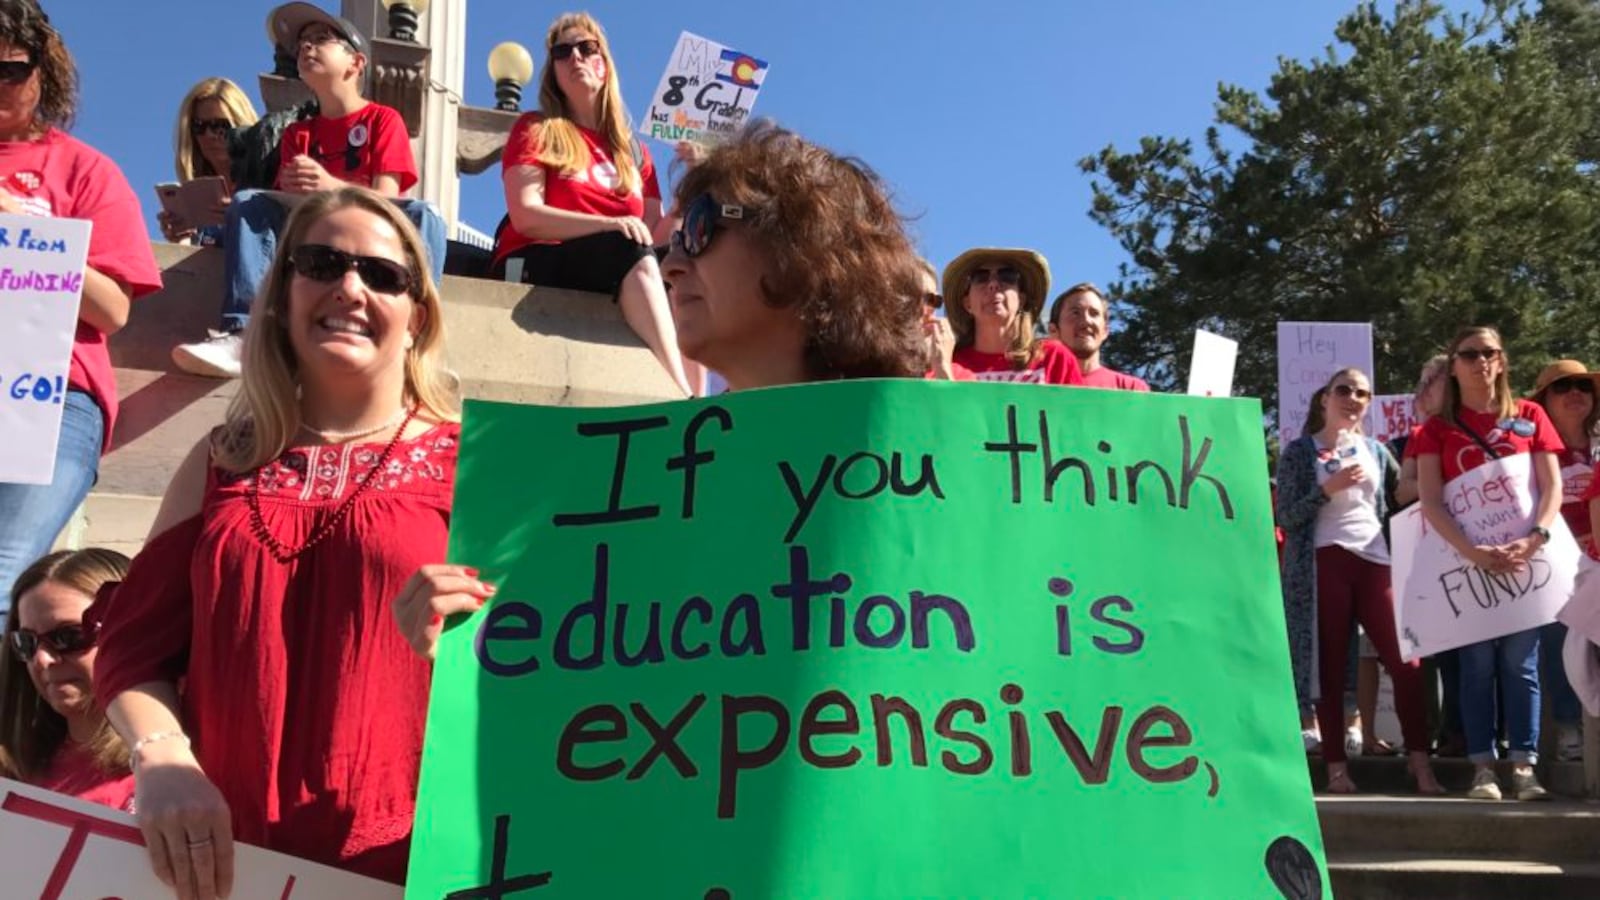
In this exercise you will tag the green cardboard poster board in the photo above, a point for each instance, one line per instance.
(867, 640)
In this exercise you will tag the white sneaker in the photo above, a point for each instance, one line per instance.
(215, 357)
(1569, 743)
(1484, 786)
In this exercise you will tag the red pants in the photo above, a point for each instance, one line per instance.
(1349, 590)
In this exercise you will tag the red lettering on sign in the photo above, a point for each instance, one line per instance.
(82, 826)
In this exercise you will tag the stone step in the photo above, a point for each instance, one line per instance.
(1558, 831)
(1410, 876)
(1389, 775)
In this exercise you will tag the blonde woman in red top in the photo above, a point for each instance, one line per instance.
(994, 299)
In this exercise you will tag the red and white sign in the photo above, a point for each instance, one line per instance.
(1390, 416)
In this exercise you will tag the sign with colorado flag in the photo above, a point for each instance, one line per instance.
(707, 91)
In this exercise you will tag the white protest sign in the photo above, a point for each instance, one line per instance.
(41, 282)
(1391, 416)
(707, 92)
(55, 847)
(1441, 600)
(1211, 365)
(1308, 355)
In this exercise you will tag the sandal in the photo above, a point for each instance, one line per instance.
(1380, 747)
(1426, 788)
(1339, 783)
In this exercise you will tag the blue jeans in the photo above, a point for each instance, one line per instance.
(31, 515)
(1516, 658)
(250, 238)
(1564, 705)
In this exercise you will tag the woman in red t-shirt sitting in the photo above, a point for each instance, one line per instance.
(1483, 421)
(53, 734)
(995, 298)
(582, 199)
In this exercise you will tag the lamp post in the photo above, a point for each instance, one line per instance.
(511, 67)
(404, 16)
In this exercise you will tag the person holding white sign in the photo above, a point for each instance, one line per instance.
(582, 200)
(1332, 487)
(46, 172)
(1482, 421)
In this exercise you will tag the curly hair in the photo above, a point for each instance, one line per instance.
(837, 249)
(25, 26)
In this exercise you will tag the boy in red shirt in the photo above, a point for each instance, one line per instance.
(349, 141)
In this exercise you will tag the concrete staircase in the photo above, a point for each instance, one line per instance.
(507, 342)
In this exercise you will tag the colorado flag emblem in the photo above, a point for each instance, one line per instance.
(741, 69)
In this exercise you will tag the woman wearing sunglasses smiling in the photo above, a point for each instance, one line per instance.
(46, 172)
(1333, 482)
(211, 109)
(53, 734)
(266, 582)
(582, 198)
(1483, 421)
(995, 298)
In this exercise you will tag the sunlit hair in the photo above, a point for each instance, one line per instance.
(1437, 367)
(1082, 287)
(560, 145)
(836, 251)
(1505, 403)
(265, 413)
(24, 25)
(31, 732)
(1314, 416)
(190, 162)
(927, 269)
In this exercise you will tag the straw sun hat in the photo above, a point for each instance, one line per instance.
(1035, 280)
(1563, 368)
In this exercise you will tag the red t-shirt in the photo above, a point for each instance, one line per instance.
(74, 772)
(1112, 380)
(61, 176)
(1053, 364)
(1459, 453)
(592, 191)
(357, 148)
(958, 372)
(1577, 476)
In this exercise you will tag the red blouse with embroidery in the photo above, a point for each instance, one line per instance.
(305, 705)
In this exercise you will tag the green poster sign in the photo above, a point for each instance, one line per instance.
(867, 640)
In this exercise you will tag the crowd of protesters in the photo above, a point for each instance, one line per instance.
(299, 542)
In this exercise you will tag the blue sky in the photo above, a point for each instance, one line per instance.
(975, 113)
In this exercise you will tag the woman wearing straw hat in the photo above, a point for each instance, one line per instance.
(996, 296)
(1566, 389)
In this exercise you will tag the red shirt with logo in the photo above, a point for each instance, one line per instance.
(1459, 453)
(1052, 364)
(592, 191)
(1112, 380)
(1577, 473)
(357, 148)
(61, 176)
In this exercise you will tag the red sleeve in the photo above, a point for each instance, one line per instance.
(145, 626)
(521, 147)
(1545, 436)
(118, 245)
(1060, 366)
(958, 372)
(1594, 486)
(391, 147)
(647, 173)
(1411, 444)
(1427, 441)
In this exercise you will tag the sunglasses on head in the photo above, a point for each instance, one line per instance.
(1473, 354)
(210, 126)
(16, 71)
(1580, 384)
(700, 224)
(1350, 390)
(320, 262)
(586, 49)
(62, 640)
(1010, 276)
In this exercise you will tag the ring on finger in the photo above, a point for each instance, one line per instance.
(203, 842)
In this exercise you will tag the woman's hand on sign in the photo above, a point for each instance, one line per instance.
(187, 827)
(1523, 549)
(1493, 559)
(430, 595)
(11, 203)
(1347, 477)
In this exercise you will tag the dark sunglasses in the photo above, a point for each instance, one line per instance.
(1580, 384)
(1473, 354)
(320, 262)
(933, 301)
(1346, 390)
(700, 224)
(1010, 276)
(16, 71)
(210, 126)
(63, 640)
(585, 49)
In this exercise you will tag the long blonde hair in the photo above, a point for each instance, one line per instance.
(190, 162)
(1505, 401)
(265, 413)
(560, 146)
(31, 732)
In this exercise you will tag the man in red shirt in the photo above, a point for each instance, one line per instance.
(1080, 320)
(350, 141)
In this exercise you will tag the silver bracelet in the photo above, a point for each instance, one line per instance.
(148, 739)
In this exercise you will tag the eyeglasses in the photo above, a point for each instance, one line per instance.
(700, 224)
(1564, 385)
(1010, 276)
(1473, 354)
(586, 49)
(63, 640)
(320, 36)
(210, 126)
(320, 262)
(16, 71)
(1350, 390)
(933, 301)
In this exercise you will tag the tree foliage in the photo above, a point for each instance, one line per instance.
(1428, 171)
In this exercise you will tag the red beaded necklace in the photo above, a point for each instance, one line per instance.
(284, 554)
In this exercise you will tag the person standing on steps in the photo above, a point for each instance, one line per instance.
(1081, 320)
